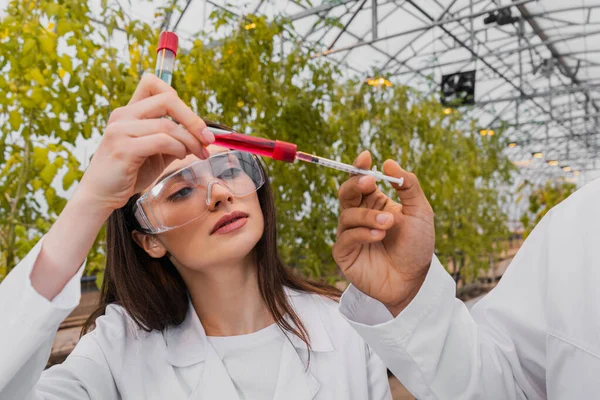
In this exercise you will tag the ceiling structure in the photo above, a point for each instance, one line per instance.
(537, 62)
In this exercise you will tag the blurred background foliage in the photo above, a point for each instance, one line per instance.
(61, 73)
(542, 198)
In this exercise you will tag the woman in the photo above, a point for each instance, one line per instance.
(196, 302)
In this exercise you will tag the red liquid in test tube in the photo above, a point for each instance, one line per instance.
(275, 149)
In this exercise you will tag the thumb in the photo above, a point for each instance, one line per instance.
(410, 193)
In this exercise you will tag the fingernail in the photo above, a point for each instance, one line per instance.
(383, 218)
(207, 135)
(375, 232)
(205, 152)
(362, 179)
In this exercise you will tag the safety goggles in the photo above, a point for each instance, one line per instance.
(186, 194)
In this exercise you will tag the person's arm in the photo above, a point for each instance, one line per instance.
(30, 322)
(137, 144)
(439, 350)
(403, 303)
(45, 287)
(67, 244)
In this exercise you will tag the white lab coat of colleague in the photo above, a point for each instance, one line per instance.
(535, 336)
(117, 360)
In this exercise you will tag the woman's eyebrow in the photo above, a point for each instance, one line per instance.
(163, 176)
(166, 174)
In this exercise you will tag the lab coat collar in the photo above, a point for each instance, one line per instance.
(187, 343)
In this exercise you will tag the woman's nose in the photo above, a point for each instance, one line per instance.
(217, 194)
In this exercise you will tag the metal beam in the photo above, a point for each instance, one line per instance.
(374, 19)
(347, 24)
(549, 121)
(508, 39)
(318, 9)
(442, 15)
(181, 15)
(525, 142)
(325, 27)
(563, 10)
(377, 49)
(553, 50)
(568, 129)
(552, 92)
(518, 49)
(429, 64)
(494, 53)
(470, 50)
(419, 29)
(362, 38)
(544, 43)
(576, 158)
(486, 40)
(257, 9)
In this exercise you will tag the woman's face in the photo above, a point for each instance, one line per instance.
(206, 241)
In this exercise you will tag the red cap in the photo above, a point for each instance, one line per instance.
(168, 40)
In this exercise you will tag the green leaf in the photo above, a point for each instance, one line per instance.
(20, 230)
(15, 119)
(50, 195)
(69, 178)
(36, 184)
(66, 63)
(52, 9)
(63, 27)
(48, 172)
(59, 162)
(87, 131)
(40, 157)
(28, 45)
(47, 43)
(37, 95)
(37, 76)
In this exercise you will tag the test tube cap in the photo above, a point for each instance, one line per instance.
(168, 40)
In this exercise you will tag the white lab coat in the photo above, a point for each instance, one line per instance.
(119, 361)
(535, 336)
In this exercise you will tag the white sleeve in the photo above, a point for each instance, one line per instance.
(29, 325)
(439, 350)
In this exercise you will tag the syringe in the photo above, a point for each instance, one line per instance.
(275, 149)
(285, 151)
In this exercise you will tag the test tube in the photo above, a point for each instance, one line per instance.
(165, 59)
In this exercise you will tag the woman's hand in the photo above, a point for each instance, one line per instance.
(384, 248)
(138, 143)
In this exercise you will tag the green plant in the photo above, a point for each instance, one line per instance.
(248, 81)
(542, 199)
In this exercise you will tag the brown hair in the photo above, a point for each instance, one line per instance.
(154, 294)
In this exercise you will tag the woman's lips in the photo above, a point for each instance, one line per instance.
(231, 226)
(233, 219)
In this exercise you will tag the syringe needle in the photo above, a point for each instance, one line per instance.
(346, 167)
